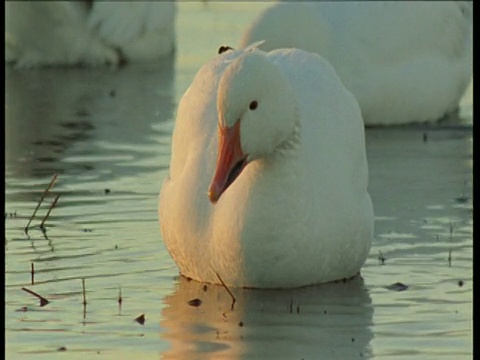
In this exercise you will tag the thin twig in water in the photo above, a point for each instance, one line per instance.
(452, 226)
(120, 299)
(43, 301)
(84, 301)
(49, 211)
(33, 273)
(84, 294)
(226, 288)
(40, 202)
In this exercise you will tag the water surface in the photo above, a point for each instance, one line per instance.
(106, 133)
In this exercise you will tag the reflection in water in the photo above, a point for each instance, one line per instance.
(55, 112)
(331, 321)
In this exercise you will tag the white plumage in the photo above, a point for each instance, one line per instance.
(45, 33)
(404, 61)
(292, 207)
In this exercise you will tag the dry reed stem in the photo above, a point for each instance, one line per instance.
(84, 293)
(45, 193)
(33, 273)
(43, 301)
(49, 211)
(228, 290)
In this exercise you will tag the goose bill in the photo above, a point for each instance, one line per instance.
(230, 161)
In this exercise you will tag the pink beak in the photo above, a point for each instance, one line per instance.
(230, 161)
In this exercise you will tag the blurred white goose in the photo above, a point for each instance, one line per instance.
(282, 201)
(42, 33)
(404, 61)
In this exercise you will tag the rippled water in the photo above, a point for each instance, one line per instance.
(107, 135)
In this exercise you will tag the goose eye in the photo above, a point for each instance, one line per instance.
(253, 105)
(224, 48)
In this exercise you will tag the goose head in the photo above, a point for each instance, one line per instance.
(256, 112)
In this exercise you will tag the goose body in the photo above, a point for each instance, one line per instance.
(404, 61)
(46, 33)
(280, 198)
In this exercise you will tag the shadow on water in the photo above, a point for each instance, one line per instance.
(330, 321)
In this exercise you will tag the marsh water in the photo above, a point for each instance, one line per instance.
(106, 133)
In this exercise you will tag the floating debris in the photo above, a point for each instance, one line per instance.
(140, 319)
(460, 283)
(240, 323)
(462, 199)
(205, 288)
(107, 191)
(11, 215)
(398, 286)
(425, 137)
(195, 302)
(62, 348)
(381, 258)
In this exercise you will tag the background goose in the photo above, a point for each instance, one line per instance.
(280, 199)
(404, 61)
(40, 33)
